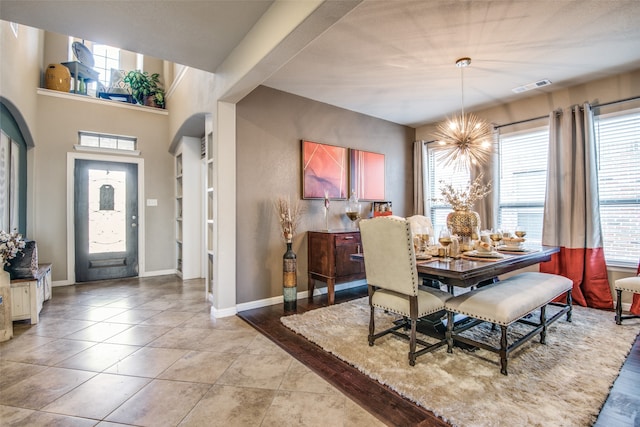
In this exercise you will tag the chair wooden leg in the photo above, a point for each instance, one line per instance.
(413, 312)
(618, 307)
(372, 326)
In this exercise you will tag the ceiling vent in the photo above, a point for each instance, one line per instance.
(534, 85)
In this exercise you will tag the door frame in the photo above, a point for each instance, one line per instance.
(71, 232)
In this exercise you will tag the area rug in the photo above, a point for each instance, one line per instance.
(562, 383)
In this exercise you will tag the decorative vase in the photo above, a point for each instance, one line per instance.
(6, 323)
(289, 279)
(463, 222)
(58, 77)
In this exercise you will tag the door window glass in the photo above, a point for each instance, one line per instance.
(107, 227)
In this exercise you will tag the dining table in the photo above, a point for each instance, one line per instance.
(466, 271)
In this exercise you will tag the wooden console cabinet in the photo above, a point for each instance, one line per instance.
(329, 260)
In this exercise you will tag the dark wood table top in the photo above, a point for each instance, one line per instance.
(466, 273)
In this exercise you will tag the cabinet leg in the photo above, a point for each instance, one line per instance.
(331, 291)
(311, 285)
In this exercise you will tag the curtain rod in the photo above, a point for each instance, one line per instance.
(617, 102)
(521, 121)
(634, 98)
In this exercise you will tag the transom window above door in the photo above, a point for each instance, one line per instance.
(105, 142)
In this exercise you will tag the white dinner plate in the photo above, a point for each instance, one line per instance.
(477, 254)
(513, 249)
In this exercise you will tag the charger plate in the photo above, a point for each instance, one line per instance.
(516, 251)
(482, 256)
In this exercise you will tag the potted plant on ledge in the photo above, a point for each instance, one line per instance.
(145, 88)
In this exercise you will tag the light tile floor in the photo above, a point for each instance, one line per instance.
(147, 352)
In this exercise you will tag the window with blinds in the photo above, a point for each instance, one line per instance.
(523, 181)
(618, 145)
(437, 174)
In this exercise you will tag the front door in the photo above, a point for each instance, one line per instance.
(106, 220)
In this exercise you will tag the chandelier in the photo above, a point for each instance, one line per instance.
(465, 139)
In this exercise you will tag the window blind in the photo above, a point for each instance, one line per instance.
(618, 145)
(438, 174)
(523, 181)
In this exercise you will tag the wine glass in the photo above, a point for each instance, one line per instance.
(422, 239)
(353, 209)
(445, 241)
(495, 236)
(353, 215)
(520, 231)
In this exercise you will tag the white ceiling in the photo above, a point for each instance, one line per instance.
(389, 59)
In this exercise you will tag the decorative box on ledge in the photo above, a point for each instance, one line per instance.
(25, 264)
(382, 208)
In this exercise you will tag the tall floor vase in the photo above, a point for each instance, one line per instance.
(289, 279)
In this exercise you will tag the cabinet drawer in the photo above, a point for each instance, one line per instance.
(347, 239)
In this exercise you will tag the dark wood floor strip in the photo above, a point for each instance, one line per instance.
(387, 405)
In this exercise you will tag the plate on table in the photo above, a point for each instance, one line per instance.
(422, 256)
(513, 249)
(476, 254)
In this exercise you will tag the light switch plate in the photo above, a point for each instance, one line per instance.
(152, 202)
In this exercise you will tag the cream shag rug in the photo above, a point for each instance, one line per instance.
(562, 383)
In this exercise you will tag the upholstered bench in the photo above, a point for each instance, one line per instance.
(505, 302)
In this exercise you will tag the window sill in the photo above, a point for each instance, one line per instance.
(622, 267)
(106, 150)
(101, 101)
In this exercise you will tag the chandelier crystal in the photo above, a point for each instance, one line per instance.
(465, 139)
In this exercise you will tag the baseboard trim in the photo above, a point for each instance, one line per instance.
(225, 312)
(157, 273)
(300, 295)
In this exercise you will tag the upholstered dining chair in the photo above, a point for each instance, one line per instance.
(628, 284)
(392, 278)
(420, 222)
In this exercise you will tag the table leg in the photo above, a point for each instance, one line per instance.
(331, 290)
(310, 286)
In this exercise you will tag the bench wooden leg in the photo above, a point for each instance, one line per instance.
(543, 322)
(503, 350)
(449, 333)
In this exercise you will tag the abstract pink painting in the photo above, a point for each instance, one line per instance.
(324, 169)
(367, 174)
